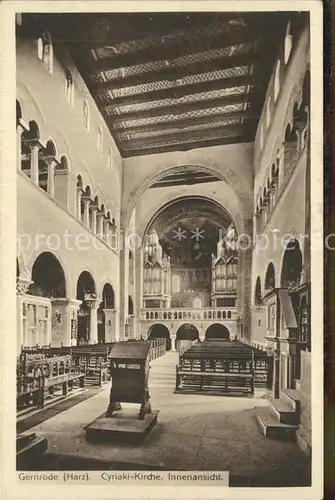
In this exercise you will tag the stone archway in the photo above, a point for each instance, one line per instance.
(159, 331)
(186, 332)
(86, 292)
(48, 277)
(217, 332)
(107, 304)
(291, 265)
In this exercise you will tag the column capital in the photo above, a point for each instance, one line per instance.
(92, 304)
(22, 285)
(86, 199)
(50, 161)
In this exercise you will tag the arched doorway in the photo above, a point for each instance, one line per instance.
(186, 332)
(291, 265)
(85, 292)
(106, 303)
(48, 277)
(159, 331)
(217, 332)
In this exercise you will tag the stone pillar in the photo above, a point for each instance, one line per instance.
(78, 206)
(93, 333)
(100, 224)
(276, 360)
(138, 288)
(64, 322)
(110, 325)
(245, 267)
(94, 211)
(173, 343)
(52, 163)
(34, 148)
(19, 131)
(22, 286)
(86, 220)
(123, 253)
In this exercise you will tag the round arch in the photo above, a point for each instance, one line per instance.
(85, 290)
(106, 303)
(159, 331)
(217, 332)
(85, 285)
(243, 194)
(258, 292)
(48, 277)
(291, 265)
(270, 277)
(186, 198)
(187, 332)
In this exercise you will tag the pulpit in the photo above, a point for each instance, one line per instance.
(129, 369)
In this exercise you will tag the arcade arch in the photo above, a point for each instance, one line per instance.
(217, 332)
(159, 331)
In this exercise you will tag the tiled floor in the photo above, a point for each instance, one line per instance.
(194, 432)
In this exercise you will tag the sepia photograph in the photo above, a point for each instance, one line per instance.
(164, 235)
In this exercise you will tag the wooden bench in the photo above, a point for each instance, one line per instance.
(38, 375)
(219, 381)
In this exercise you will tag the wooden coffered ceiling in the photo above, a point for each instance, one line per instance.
(174, 81)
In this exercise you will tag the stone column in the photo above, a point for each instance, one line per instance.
(138, 288)
(19, 131)
(123, 253)
(94, 211)
(64, 321)
(105, 230)
(110, 325)
(100, 224)
(22, 286)
(34, 148)
(86, 220)
(173, 343)
(93, 333)
(52, 163)
(78, 205)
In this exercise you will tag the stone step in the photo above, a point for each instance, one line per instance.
(284, 412)
(292, 397)
(272, 428)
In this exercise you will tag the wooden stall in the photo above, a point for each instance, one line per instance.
(223, 367)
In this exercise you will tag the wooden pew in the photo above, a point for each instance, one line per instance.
(222, 366)
(38, 376)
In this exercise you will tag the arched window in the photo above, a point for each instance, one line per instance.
(277, 80)
(288, 43)
(44, 50)
(258, 292)
(69, 87)
(197, 303)
(176, 284)
(99, 139)
(86, 116)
